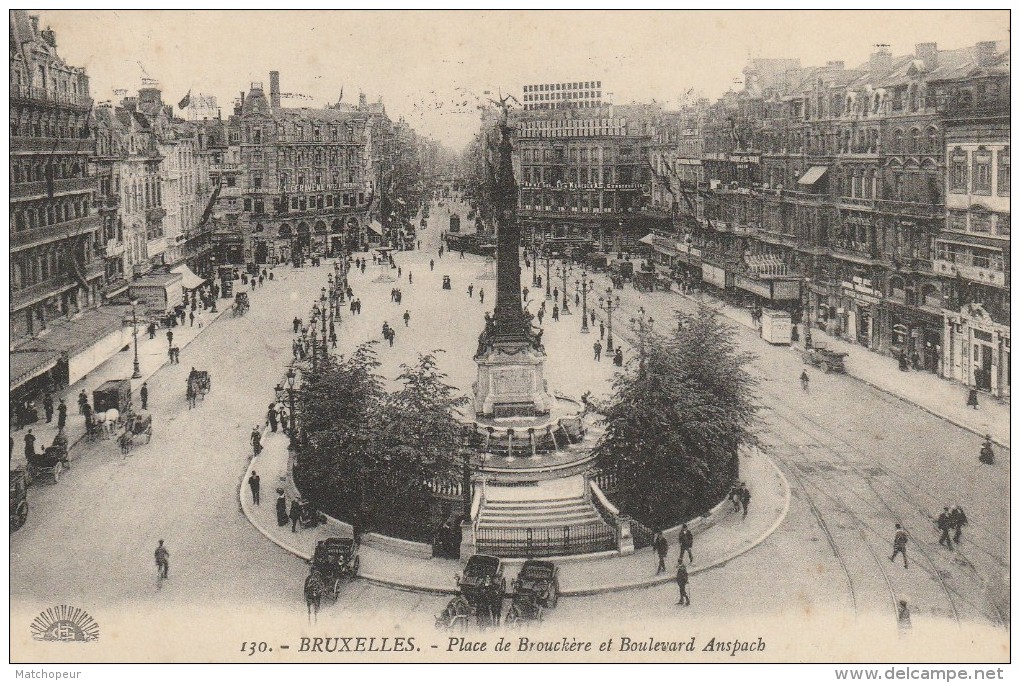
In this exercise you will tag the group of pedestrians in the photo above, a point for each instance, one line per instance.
(685, 540)
(951, 520)
(740, 497)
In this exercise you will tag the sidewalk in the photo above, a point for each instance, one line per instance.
(722, 537)
(152, 355)
(940, 397)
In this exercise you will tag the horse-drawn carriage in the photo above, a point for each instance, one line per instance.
(51, 462)
(335, 562)
(199, 384)
(482, 587)
(137, 427)
(241, 304)
(18, 500)
(111, 403)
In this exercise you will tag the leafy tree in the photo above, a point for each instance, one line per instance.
(679, 413)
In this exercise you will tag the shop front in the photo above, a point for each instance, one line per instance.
(716, 276)
(856, 314)
(915, 333)
(977, 350)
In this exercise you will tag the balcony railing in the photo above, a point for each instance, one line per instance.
(920, 209)
(20, 143)
(40, 188)
(26, 296)
(23, 239)
(970, 272)
(31, 93)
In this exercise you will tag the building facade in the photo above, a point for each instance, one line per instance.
(573, 95)
(56, 257)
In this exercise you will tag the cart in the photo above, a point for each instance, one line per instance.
(138, 427)
(336, 561)
(826, 359)
(51, 462)
(199, 384)
(241, 304)
(112, 395)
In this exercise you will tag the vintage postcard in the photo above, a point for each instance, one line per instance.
(703, 357)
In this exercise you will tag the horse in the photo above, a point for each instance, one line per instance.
(192, 393)
(457, 613)
(112, 419)
(314, 589)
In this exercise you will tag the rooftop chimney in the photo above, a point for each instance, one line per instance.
(928, 53)
(49, 37)
(985, 53)
(881, 60)
(274, 90)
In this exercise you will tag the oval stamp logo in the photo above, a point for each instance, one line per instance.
(66, 624)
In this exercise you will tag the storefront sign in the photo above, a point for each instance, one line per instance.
(751, 285)
(786, 290)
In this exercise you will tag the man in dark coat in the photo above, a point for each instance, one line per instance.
(745, 498)
(30, 445)
(256, 440)
(83, 398)
(144, 395)
(281, 508)
(681, 583)
(255, 482)
(899, 545)
(958, 519)
(295, 515)
(945, 526)
(48, 407)
(661, 549)
(597, 346)
(61, 415)
(686, 543)
(271, 417)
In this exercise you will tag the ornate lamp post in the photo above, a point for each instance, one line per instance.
(534, 266)
(641, 326)
(608, 305)
(137, 373)
(315, 335)
(548, 277)
(585, 285)
(564, 271)
(291, 375)
(325, 347)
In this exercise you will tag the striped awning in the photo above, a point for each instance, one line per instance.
(813, 175)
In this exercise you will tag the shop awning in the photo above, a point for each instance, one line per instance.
(27, 365)
(376, 227)
(647, 239)
(813, 175)
(189, 279)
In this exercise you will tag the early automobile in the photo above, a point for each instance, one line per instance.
(336, 560)
(826, 359)
(18, 501)
(539, 579)
(483, 585)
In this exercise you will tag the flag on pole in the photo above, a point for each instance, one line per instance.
(186, 102)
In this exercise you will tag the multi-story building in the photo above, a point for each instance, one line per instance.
(304, 180)
(573, 95)
(56, 257)
(823, 191)
(972, 250)
(583, 175)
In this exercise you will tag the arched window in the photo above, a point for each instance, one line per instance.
(915, 141)
(897, 142)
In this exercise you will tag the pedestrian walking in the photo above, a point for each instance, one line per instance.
(661, 547)
(295, 515)
(682, 579)
(82, 400)
(577, 299)
(592, 315)
(297, 324)
(170, 337)
(432, 264)
(618, 358)
(256, 440)
(602, 330)
(29, 446)
(61, 415)
(972, 400)
(407, 318)
(357, 307)
(899, 545)
(903, 616)
(162, 560)
(944, 525)
(399, 271)
(271, 417)
(283, 419)
(481, 296)
(745, 499)
(735, 496)
(152, 330)
(541, 315)
(170, 354)
(597, 346)
(48, 407)
(332, 339)
(143, 394)
(556, 312)
(191, 318)
(471, 290)
(686, 540)
(987, 454)
(556, 293)
(958, 520)
(410, 278)
(281, 508)
(254, 482)
(524, 293)
(804, 379)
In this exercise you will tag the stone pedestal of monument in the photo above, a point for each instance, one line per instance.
(511, 381)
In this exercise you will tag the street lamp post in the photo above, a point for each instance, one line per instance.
(137, 373)
(608, 305)
(534, 267)
(548, 277)
(291, 375)
(325, 347)
(564, 272)
(641, 326)
(586, 286)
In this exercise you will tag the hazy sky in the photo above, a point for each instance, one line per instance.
(418, 61)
